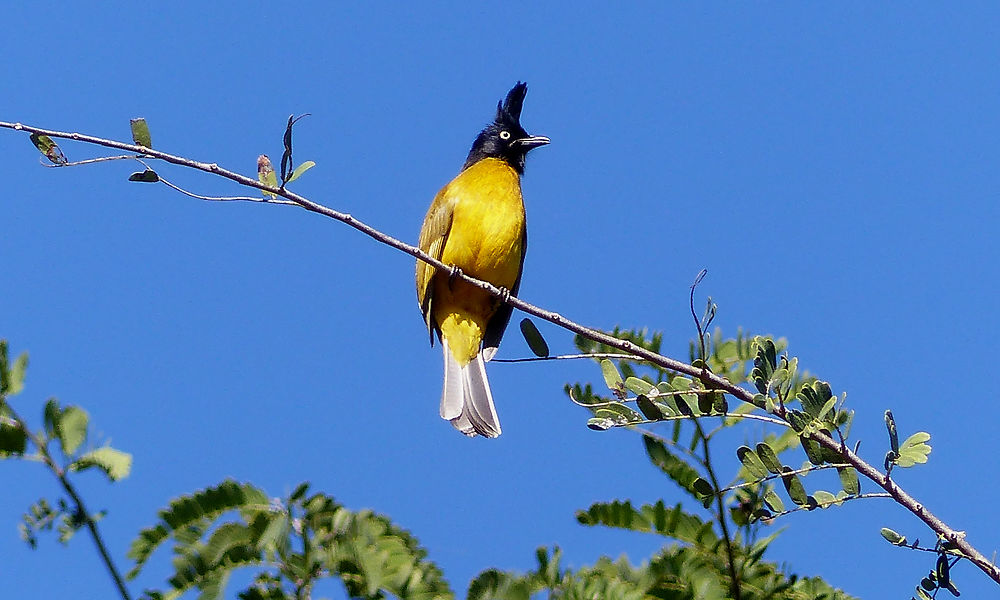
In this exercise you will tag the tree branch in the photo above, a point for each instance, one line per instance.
(734, 578)
(81, 509)
(709, 379)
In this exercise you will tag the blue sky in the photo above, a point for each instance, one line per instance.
(834, 169)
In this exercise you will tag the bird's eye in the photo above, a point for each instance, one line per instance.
(504, 135)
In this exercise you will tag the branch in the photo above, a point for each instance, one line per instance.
(734, 580)
(709, 379)
(831, 503)
(802, 471)
(595, 355)
(81, 509)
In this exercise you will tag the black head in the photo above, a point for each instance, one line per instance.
(504, 138)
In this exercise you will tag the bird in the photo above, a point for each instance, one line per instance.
(476, 224)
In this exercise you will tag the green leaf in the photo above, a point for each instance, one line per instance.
(914, 450)
(299, 492)
(814, 452)
(702, 489)
(943, 570)
(705, 403)
(797, 419)
(892, 537)
(12, 375)
(677, 469)
(772, 500)
(612, 378)
(814, 398)
(534, 338)
(493, 584)
(600, 424)
(825, 410)
(650, 518)
(890, 425)
(49, 148)
(275, 535)
(849, 480)
(140, 133)
(640, 386)
(824, 499)
(115, 463)
(648, 408)
(764, 364)
(16, 376)
(769, 458)
(720, 405)
(71, 428)
(51, 415)
(751, 462)
(147, 176)
(193, 509)
(619, 413)
(299, 170)
(13, 439)
(225, 538)
(793, 485)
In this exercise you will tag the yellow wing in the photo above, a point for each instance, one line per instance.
(433, 236)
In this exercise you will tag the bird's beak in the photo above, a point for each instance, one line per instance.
(532, 141)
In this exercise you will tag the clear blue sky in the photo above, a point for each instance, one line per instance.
(833, 167)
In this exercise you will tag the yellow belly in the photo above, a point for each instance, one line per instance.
(486, 241)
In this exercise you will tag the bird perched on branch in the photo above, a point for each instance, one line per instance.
(476, 223)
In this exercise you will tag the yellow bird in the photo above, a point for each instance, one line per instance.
(476, 224)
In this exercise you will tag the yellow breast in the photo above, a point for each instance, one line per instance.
(487, 227)
(486, 241)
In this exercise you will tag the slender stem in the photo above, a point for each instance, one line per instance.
(81, 508)
(805, 470)
(595, 355)
(734, 580)
(710, 380)
(831, 503)
(90, 161)
(303, 586)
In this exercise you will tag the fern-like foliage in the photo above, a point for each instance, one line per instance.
(293, 542)
(675, 573)
(679, 419)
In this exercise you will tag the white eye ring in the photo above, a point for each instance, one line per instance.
(504, 135)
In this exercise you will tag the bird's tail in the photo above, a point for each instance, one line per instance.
(467, 400)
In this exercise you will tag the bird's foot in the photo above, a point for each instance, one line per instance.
(453, 275)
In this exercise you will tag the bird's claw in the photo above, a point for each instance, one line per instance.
(453, 275)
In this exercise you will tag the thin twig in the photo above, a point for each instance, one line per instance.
(802, 471)
(664, 419)
(734, 585)
(81, 509)
(829, 503)
(173, 186)
(89, 161)
(595, 355)
(709, 379)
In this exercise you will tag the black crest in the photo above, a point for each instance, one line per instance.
(504, 138)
